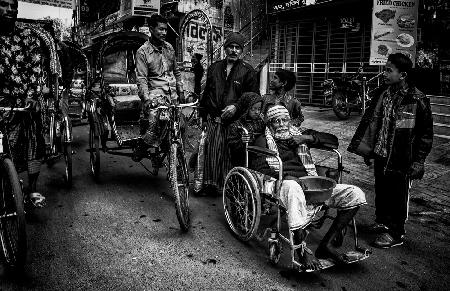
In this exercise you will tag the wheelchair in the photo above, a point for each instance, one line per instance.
(247, 197)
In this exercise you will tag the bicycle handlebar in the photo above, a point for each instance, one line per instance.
(18, 109)
(193, 104)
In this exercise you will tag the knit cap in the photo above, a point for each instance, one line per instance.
(276, 111)
(235, 37)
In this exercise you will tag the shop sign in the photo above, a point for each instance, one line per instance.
(57, 3)
(139, 7)
(197, 35)
(277, 6)
(394, 30)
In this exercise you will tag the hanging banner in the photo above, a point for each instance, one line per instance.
(394, 29)
(57, 3)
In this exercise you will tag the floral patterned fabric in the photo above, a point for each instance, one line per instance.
(21, 77)
(21, 69)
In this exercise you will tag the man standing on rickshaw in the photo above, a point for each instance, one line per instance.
(226, 81)
(159, 82)
(21, 85)
(297, 162)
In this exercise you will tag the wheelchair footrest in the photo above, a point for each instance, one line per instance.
(350, 257)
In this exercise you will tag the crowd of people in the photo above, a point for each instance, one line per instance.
(396, 130)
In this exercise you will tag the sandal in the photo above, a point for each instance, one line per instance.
(37, 199)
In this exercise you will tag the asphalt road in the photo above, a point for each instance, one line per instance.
(122, 234)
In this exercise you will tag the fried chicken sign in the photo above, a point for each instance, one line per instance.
(394, 29)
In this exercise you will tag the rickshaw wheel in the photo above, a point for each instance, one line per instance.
(67, 151)
(68, 159)
(242, 203)
(179, 180)
(13, 239)
(94, 154)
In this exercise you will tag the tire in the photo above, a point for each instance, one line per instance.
(68, 160)
(12, 217)
(94, 154)
(66, 146)
(180, 185)
(242, 203)
(340, 105)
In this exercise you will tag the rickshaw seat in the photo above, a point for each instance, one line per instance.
(125, 102)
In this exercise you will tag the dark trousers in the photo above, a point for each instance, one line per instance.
(391, 200)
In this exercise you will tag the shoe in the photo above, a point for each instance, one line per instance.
(386, 241)
(37, 200)
(378, 228)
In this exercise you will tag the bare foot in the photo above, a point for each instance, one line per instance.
(328, 252)
(309, 260)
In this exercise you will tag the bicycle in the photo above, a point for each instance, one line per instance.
(13, 237)
(177, 163)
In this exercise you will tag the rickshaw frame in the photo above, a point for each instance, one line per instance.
(177, 168)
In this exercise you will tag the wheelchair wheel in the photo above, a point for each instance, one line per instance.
(94, 153)
(242, 203)
(179, 180)
(12, 217)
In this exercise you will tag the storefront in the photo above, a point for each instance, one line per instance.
(329, 38)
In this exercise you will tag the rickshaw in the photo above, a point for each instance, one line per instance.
(76, 77)
(56, 121)
(114, 110)
(248, 195)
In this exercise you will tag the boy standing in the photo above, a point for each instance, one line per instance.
(397, 132)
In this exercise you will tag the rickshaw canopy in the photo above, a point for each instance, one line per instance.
(117, 57)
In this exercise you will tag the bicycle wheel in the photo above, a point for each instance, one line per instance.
(12, 216)
(340, 105)
(179, 181)
(94, 153)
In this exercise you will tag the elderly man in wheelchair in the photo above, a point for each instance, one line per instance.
(279, 162)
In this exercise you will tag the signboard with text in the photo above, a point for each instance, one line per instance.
(277, 6)
(139, 7)
(394, 29)
(57, 3)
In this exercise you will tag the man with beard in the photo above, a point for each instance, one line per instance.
(397, 132)
(21, 73)
(297, 162)
(226, 81)
(159, 82)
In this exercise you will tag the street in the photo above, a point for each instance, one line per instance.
(122, 234)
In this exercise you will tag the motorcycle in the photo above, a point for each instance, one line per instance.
(350, 93)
